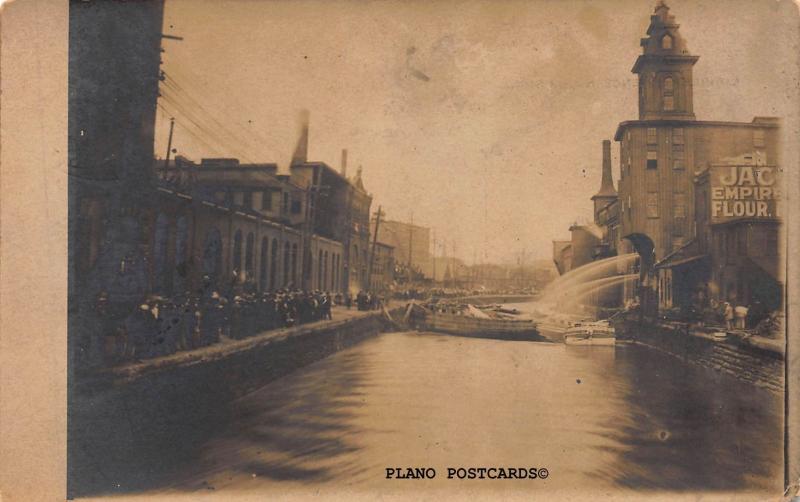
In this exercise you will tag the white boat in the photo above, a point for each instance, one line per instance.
(590, 333)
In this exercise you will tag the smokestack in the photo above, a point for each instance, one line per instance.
(300, 155)
(607, 184)
(344, 162)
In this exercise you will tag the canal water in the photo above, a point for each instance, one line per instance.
(599, 419)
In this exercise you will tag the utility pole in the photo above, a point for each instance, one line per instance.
(374, 247)
(169, 143)
(410, 242)
(455, 282)
(434, 256)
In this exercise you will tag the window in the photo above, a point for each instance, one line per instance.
(263, 262)
(285, 208)
(677, 156)
(247, 200)
(666, 42)
(669, 100)
(679, 204)
(238, 198)
(677, 136)
(219, 196)
(237, 252)
(296, 206)
(651, 136)
(758, 138)
(266, 201)
(652, 160)
(249, 265)
(652, 204)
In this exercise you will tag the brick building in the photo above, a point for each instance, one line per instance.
(660, 152)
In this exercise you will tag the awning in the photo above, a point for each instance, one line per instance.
(684, 255)
(677, 262)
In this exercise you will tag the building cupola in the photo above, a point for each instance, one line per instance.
(665, 70)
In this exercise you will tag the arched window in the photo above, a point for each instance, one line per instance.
(237, 252)
(666, 42)
(334, 272)
(249, 265)
(212, 255)
(294, 262)
(325, 272)
(273, 265)
(286, 263)
(668, 94)
(263, 262)
(320, 270)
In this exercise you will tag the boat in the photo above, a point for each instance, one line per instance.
(590, 333)
(467, 320)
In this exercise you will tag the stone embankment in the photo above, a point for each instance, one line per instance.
(751, 358)
(123, 419)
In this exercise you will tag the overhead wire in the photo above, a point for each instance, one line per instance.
(202, 115)
(201, 125)
(198, 136)
(176, 73)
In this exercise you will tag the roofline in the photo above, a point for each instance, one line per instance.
(690, 123)
(669, 58)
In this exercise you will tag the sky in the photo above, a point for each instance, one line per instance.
(483, 119)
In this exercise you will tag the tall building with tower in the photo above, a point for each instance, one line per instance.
(697, 200)
(661, 151)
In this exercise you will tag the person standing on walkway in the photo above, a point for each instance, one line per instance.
(740, 314)
(728, 316)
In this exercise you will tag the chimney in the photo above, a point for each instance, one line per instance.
(301, 150)
(607, 184)
(344, 162)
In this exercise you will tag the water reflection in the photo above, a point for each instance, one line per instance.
(686, 427)
(597, 417)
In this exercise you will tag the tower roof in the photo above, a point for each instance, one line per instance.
(663, 40)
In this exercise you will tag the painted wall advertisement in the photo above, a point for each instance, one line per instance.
(744, 192)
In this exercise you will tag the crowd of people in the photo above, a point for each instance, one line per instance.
(160, 326)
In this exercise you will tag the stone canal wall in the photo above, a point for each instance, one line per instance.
(121, 419)
(753, 359)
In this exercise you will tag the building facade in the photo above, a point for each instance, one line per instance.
(411, 244)
(660, 152)
(696, 200)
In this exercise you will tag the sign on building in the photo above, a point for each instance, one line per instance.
(744, 191)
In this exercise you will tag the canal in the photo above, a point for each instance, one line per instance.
(600, 419)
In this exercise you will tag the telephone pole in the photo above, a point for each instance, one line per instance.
(410, 242)
(374, 247)
(434, 256)
(169, 142)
